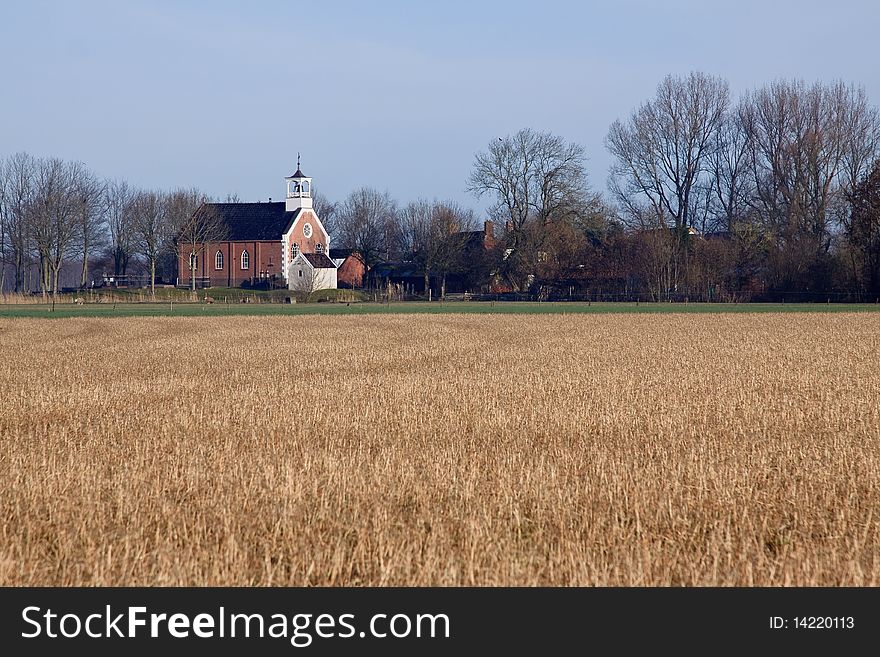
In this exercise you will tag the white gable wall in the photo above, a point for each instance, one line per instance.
(302, 277)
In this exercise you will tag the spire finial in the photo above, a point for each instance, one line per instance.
(297, 161)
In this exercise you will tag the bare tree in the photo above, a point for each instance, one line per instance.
(367, 223)
(448, 238)
(18, 190)
(809, 146)
(151, 228)
(55, 216)
(862, 137)
(662, 153)
(90, 193)
(4, 229)
(530, 175)
(729, 185)
(435, 236)
(534, 178)
(797, 152)
(327, 212)
(416, 234)
(118, 196)
(195, 223)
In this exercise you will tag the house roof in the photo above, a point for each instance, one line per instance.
(319, 260)
(252, 221)
(342, 254)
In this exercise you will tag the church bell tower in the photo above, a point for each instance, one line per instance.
(299, 190)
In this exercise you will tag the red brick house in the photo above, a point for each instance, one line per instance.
(261, 240)
(350, 267)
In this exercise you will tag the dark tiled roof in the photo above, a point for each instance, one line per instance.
(252, 221)
(319, 260)
(343, 253)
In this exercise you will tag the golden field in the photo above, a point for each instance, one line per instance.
(669, 449)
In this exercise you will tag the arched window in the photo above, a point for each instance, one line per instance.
(319, 248)
(294, 250)
(245, 260)
(218, 260)
(193, 260)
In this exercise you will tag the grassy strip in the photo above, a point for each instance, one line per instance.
(217, 309)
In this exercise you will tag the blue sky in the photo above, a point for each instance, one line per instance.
(394, 95)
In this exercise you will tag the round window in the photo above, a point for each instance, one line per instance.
(307, 230)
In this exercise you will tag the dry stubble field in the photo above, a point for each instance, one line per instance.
(670, 449)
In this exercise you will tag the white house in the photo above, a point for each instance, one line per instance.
(311, 271)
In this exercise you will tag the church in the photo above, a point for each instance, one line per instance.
(282, 244)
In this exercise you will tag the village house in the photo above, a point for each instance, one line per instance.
(280, 244)
(350, 268)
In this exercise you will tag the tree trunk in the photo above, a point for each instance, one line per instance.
(192, 267)
(427, 282)
(443, 287)
(19, 271)
(85, 269)
(45, 280)
(153, 277)
(120, 261)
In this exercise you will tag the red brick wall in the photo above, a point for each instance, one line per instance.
(351, 272)
(488, 234)
(309, 245)
(264, 258)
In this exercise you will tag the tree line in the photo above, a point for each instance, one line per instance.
(776, 192)
(53, 212)
(773, 178)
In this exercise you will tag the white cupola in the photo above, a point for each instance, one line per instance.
(299, 190)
